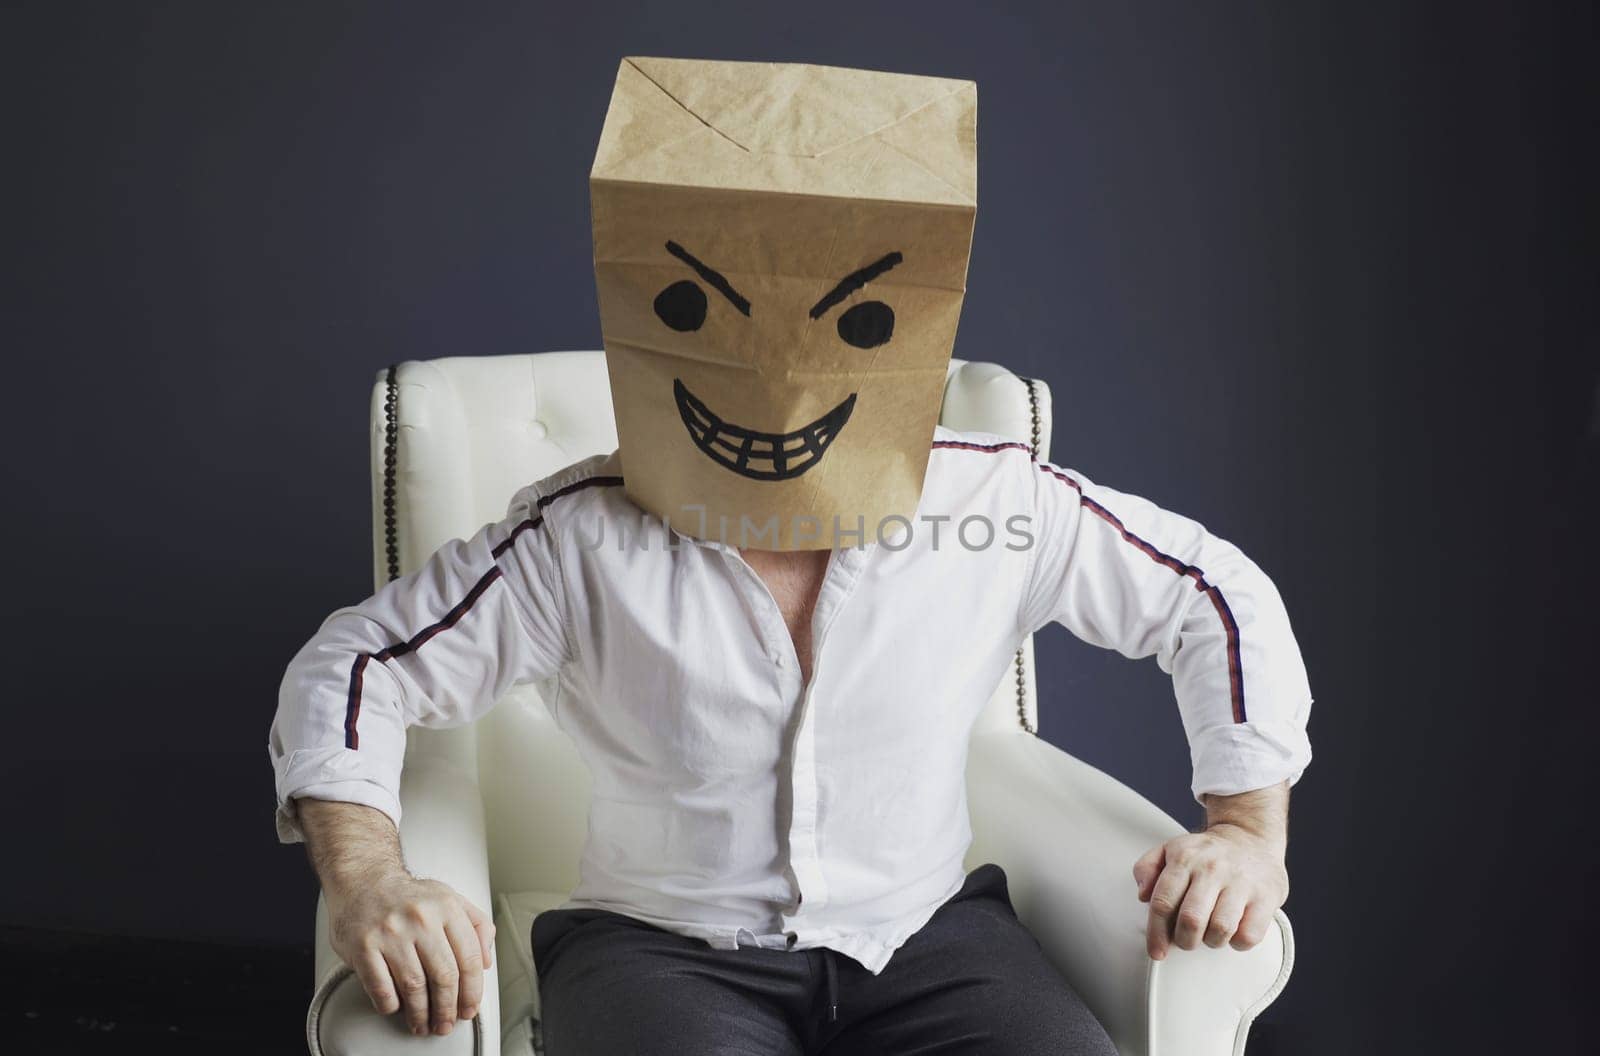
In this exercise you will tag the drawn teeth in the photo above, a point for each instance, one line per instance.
(750, 453)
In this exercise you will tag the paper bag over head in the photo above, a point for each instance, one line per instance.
(780, 257)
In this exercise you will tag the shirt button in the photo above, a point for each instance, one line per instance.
(792, 938)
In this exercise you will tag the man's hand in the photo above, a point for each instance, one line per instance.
(1221, 885)
(415, 944)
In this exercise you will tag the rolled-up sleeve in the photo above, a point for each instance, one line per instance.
(437, 647)
(1121, 573)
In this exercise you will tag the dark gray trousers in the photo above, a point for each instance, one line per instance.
(973, 981)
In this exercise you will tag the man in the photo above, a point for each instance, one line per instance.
(776, 725)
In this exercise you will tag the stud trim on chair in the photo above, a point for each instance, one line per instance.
(391, 450)
(1022, 661)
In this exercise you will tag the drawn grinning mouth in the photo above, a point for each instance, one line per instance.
(757, 455)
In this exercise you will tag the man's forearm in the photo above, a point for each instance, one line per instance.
(1263, 813)
(349, 842)
(415, 943)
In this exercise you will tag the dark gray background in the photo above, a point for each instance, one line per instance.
(1321, 278)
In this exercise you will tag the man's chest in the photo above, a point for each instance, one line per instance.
(703, 657)
(794, 580)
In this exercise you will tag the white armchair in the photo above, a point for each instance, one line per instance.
(498, 809)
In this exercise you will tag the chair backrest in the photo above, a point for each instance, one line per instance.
(452, 440)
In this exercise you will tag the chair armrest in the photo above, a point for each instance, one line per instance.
(442, 837)
(1067, 836)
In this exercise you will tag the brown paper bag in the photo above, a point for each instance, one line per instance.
(780, 256)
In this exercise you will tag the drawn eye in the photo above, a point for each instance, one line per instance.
(867, 325)
(682, 305)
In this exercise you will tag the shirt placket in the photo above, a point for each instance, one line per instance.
(838, 581)
(804, 858)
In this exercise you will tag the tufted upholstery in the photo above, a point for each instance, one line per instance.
(498, 809)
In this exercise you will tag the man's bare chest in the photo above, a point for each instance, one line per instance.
(794, 578)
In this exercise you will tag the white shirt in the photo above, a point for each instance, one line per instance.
(730, 802)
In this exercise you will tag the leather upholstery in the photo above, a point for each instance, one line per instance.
(498, 809)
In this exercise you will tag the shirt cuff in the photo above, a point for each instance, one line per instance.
(337, 774)
(1246, 756)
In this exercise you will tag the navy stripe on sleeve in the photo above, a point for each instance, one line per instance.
(450, 619)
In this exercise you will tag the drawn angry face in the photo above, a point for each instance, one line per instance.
(780, 255)
(754, 453)
(775, 356)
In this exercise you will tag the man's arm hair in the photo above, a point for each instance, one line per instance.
(349, 842)
(1264, 813)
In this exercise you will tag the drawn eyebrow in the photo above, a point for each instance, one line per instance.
(854, 281)
(712, 276)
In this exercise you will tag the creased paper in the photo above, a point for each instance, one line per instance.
(780, 255)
